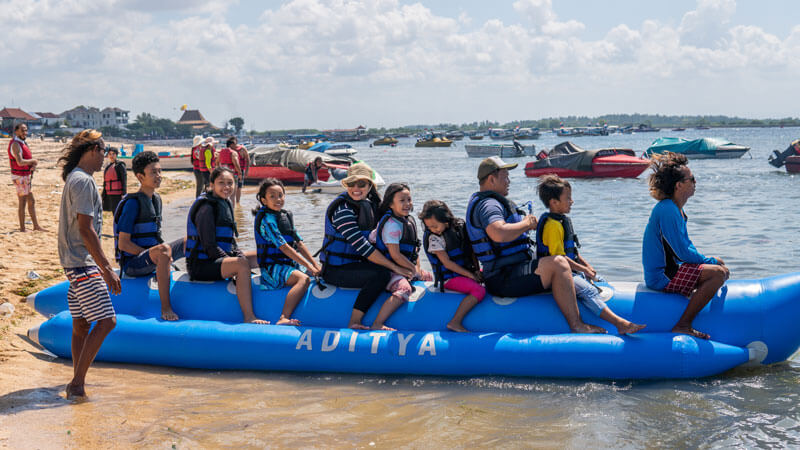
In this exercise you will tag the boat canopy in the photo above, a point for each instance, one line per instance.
(681, 145)
(567, 155)
(292, 158)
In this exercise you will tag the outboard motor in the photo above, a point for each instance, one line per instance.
(778, 159)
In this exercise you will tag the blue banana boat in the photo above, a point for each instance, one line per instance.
(751, 322)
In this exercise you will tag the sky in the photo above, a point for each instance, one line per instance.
(387, 63)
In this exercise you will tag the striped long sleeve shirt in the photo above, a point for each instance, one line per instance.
(346, 223)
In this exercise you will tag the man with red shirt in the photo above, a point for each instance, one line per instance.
(22, 167)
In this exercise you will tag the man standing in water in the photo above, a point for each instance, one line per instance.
(88, 270)
(22, 167)
(498, 234)
(671, 262)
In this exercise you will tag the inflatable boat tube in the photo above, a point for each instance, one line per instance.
(217, 345)
(757, 316)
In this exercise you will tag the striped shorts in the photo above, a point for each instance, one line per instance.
(87, 295)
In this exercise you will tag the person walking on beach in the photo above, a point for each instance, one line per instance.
(671, 261)
(88, 270)
(498, 233)
(22, 167)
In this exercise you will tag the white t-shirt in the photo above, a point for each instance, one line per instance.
(436, 243)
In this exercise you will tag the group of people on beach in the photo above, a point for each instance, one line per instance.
(205, 157)
(370, 243)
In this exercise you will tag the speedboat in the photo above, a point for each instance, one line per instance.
(386, 140)
(334, 149)
(433, 142)
(568, 160)
(569, 132)
(789, 157)
(526, 133)
(705, 148)
(501, 150)
(500, 134)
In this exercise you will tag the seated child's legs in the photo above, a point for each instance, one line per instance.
(588, 294)
(466, 286)
(400, 287)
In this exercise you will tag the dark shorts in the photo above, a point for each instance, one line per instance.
(205, 270)
(685, 280)
(141, 264)
(516, 281)
(240, 181)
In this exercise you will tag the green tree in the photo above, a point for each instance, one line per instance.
(237, 123)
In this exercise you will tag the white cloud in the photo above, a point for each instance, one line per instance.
(328, 63)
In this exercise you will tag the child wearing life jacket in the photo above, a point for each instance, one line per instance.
(555, 236)
(139, 248)
(396, 238)
(449, 251)
(211, 250)
(115, 181)
(280, 249)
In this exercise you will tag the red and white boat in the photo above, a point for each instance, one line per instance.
(567, 160)
(288, 164)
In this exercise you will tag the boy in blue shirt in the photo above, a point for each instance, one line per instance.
(671, 261)
(140, 250)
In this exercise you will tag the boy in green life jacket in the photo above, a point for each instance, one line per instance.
(139, 246)
(555, 236)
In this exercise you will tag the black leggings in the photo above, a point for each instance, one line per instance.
(370, 278)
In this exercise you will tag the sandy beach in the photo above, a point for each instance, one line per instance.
(23, 366)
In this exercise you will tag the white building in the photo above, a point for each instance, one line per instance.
(92, 117)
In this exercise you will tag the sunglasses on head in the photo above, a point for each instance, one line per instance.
(358, 183)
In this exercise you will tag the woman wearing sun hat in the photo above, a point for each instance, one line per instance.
(348, 259)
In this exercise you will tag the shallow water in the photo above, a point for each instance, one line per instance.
(744, 211)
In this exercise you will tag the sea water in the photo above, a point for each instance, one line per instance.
(744, 210)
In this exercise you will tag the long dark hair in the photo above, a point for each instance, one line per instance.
(438, 210)
(71, 154)
(262, 191)
(388, 196)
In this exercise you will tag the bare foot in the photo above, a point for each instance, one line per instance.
(169, 315)
(23, 230)
(690, 331)
(38, 228)
(457, 327)
(586, 328)
(357, 326)
(257, 321)
(381, 327)
(285, 321)
(629, 328)
(75, 393)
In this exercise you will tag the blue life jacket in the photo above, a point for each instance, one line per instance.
(457, 248)
(268, 253)
(571, 243)
(336, 251)
(225, 227)
(409, 244)
(146, 228)
(494, 256)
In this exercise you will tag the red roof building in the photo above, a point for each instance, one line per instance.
(12, 116)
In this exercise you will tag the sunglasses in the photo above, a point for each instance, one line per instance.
(358, 183)
(692, 179)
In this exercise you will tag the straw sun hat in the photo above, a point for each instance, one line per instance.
(358, 171)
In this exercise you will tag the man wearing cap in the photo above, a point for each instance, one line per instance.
(498, 233)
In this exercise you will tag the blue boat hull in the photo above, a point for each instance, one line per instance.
(749, 320)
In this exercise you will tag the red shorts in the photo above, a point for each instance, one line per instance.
(685, 281)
